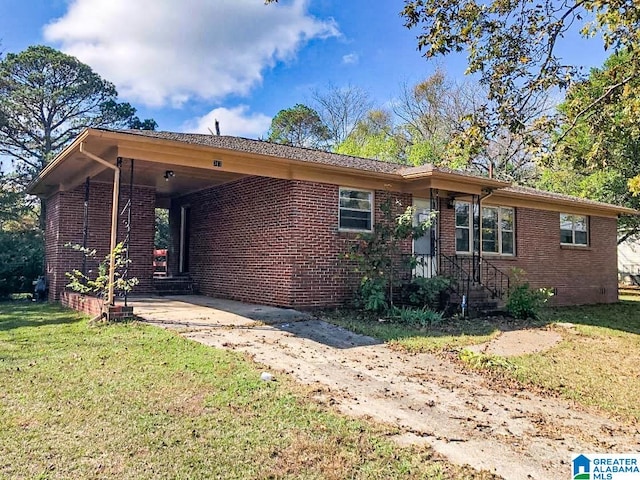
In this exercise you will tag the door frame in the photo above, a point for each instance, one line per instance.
(185, 232)
(432, 269)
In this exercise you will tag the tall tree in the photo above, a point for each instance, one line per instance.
(598, 150)
(430, 113)
(46, 99)
(340, 109)
(299, 126)
(375, 136)
(512, 46)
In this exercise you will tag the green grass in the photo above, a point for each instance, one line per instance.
(598, 361)
(134, 401)
(448, 335)
(596, 364)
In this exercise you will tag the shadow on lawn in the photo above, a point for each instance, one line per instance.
(385, 329)
(623, 316)
(19, 314)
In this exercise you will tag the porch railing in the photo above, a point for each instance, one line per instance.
(493, 279)
(463, 273)
(461, 279)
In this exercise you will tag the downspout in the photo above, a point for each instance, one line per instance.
(485, 193)
(114, 218)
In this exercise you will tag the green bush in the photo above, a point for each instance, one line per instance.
(377, 256)
(372, 295)
(425, 292)
(422, 317)
(526, 302)
(21, 257)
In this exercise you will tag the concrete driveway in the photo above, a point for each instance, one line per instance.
(516, 434)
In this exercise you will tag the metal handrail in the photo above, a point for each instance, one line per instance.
(452, 268)
(494, 279)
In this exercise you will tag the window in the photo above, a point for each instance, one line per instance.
(573, 229)
(355, 210)
(496, 229)
(463, 227)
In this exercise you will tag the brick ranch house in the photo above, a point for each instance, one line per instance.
(267, 223)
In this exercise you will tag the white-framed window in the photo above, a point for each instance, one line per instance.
(497, 229)
(574, 229)
(355, 210)
(464, 231)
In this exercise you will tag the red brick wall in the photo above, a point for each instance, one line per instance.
(81, 303)
(277, 242)
(321, 276)
(580, 275)
(271, 241)
(240, 242)
(64, 224)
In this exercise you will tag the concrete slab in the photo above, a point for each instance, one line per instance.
(198, 311)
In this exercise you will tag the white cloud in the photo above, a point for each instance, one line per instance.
(237, 121)
(351, 58)
(162, 51)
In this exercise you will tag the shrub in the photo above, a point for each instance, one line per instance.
(526, 302)
(21, 254)
(99, 286)
(423, 317)
(377, 256)
(426, 292)
(373, 294)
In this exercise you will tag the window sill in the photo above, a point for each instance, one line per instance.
(498, 256)
(492, 256)
(566, 246)
(351, 231)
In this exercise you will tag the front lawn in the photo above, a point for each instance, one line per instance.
(597, 363)
(449, 334)
(134, 401)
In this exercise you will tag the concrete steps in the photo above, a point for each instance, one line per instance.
(178, 285)
(479, 301)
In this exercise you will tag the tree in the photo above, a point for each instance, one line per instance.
(299, 126)
(512, 46)
(15, 211)
(341, 109)
(162, 235)
(598, 150)
(375, 137)
(430, 113)
(46, 99)
(21, 242)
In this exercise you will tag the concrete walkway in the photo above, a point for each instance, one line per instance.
(516, 434)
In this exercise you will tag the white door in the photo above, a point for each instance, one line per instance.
(422, 248)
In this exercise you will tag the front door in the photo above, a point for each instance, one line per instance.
(423, 247)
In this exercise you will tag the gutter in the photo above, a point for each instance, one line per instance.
(114, 217)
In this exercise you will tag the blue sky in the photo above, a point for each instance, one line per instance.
(186, 63)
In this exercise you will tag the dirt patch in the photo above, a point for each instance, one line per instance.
(515, 434)
(519, 342)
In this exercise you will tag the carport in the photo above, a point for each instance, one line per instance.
(104, 188)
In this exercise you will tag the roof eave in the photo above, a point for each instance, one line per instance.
(588, 206)
(75, 145)
(481, 181)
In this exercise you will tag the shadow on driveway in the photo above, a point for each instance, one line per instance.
(197, 312)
